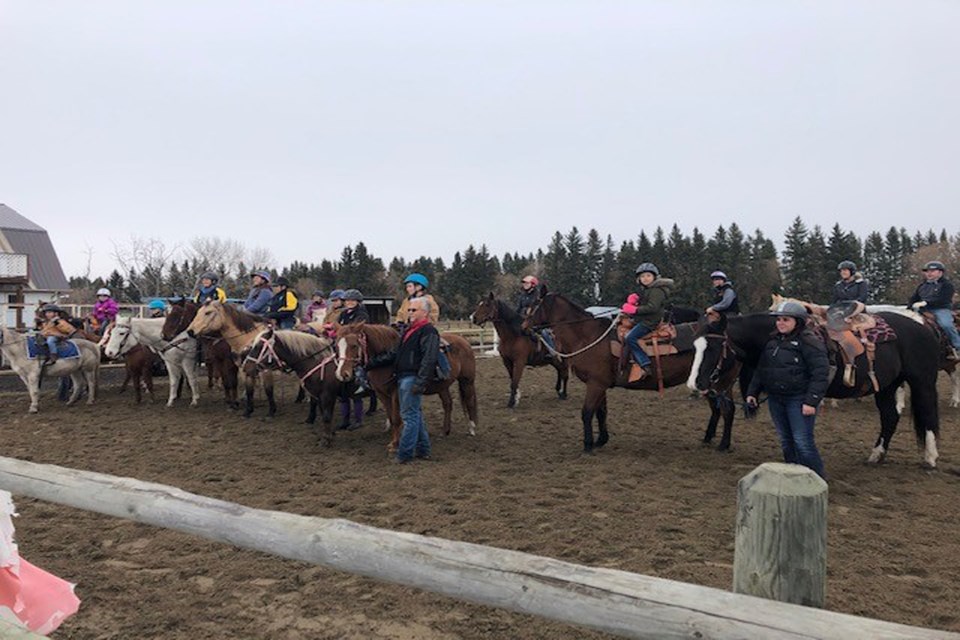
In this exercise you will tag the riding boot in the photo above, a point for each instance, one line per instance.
(357, 414)
(344, 414)
(51, 359)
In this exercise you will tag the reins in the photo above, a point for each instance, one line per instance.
(553, 351)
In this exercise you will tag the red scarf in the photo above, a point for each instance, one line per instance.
(414, 327)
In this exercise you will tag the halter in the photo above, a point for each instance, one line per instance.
(364, 356)
(268, 353)
(727, 348)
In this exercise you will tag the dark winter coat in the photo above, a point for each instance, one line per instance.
(937, 294)
(653, 302)
(526, 301)
(857, 289)
(416, 355)
(353, 316)
(725, 299)
(791, 365)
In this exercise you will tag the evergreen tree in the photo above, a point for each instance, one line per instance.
(798, 268)
(593, 268)
(874, 261)
(553, 260)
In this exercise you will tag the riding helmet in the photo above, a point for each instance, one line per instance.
(103, 291)
(791, 308)
(265, 275)
(318, 292)
(718, 274)
(353, 294)
(531, 279)
(281, 282)
(934, 264)
(336, 294)
(156, 304)
(51, 307)
(847, 264)
(417, 278)
(211, 276)
(648, 267)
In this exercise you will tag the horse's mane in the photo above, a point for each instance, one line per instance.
(583, 313)
(380, 338)
(509, 315)
(302, 345)
(242, 320)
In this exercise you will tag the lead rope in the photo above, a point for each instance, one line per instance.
(556, 353)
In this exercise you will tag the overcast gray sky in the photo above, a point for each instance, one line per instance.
(421, 127)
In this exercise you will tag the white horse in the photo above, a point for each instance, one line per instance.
(180, 355)
(86, 367)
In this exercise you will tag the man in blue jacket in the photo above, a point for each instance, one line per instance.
(935, 294)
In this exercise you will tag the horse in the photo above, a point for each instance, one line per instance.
(588, 341)
(239, 329)
(518, 349)
(180, 355)
(911, 358)
(357, 343)
(31, 371)
(313, 360)
(138, 364)
(217, 355)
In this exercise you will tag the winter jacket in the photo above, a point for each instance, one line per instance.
(212, 293)
(258, 300)
(283, 308)
(526, 301)
(653, 302)
(791, 365)
(355, 315)
(57, 328)
(856, 289)
(937, 294)
(401, 317)
(316, 312)
(416, 355)
(105, 311)
(725, 299)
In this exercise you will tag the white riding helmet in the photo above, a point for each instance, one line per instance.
(103, 291)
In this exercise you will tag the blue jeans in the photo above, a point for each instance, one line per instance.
(945, 320)
(639, 355)
(796, 432)
(52, 345)
(414, 439)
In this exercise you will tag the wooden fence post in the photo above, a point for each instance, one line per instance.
(781, 535)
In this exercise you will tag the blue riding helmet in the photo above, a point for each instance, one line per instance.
(336, 294)
(157, 304)
(417, 278)
(263, 274)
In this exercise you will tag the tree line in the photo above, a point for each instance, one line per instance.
(589, 268)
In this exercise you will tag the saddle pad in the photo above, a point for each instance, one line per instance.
(65, 348)
(881, 332)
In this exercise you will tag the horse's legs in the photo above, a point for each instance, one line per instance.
(901, 398)
(886, 401)
(926, 417)
(591, 401)
(32, 380)
(301, 395)
(175, 376)
(955, 388)
(563, 377)
(514, 383)
(190, 371)
(126, 379)
(712, 423)
(728, 409)
(148, 379)
(229, 375)
(396, 423)
(602, 422)
(249, 383)
(312, 415)
(267, 380)
(447, 401)
(77, 378)
(373, 404)
(137, 392)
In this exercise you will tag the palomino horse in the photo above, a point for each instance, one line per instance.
(217, 355)
(911, 358)
(357, 343)
(31, 371)
(313, 359)
(587, 339)
(517, 348)
(239, 329)
(180, 356)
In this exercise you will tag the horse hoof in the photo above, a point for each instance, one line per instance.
(724, 449)
(877, 455)
(588, 452)
(473, 429)
(562, 396)
(33, 410)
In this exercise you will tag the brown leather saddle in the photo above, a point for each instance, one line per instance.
(665, 340)
(854, 332)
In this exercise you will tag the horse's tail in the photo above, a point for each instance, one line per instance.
(468, 397)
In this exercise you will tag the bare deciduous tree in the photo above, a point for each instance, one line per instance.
(147, 259)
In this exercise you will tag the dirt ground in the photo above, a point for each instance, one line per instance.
(653, 501)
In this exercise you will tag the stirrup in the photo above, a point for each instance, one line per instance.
(849, 376)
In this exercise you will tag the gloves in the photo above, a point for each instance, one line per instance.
(919, 305)
(633, 298)
(628, 308)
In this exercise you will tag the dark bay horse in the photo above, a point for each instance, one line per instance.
(313, 360)
(912, 358)
(357, 343)
(518, 349)
(217, 355)
(586, 340)
(238, 329)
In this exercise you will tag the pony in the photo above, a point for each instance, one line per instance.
(357, 343)
(138, 364)
(31, 371)
(713, 374)
(217, 355)
(517, 348)
(911, 358)
(180, 355)
(588, 341)
(314, 362)
(239, 329)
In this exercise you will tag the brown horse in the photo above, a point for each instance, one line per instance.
(239, 329)
(587, 341)
(357, 343)
(518, 349)
(217, 355)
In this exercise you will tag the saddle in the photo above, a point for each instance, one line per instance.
(664, 340)
(855, 333)
(946, 349)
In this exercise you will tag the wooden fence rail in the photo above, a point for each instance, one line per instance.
(626, 604)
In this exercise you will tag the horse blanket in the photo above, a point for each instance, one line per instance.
(66, 349)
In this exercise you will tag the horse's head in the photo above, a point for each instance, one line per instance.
(209, 319)
(178, 319)
(262, 354)
(715, 355)
(351, 350)
(486, 311)
(120, 339)
(543, 313)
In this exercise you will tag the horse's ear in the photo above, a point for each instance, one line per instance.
(491, 296)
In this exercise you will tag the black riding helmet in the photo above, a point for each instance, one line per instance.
(648, 267)
(353, 294)
(847, 264)
(792, 309)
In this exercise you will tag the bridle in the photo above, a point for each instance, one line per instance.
(123, 341)
(363, 355)
(727, 349)
(268, 355)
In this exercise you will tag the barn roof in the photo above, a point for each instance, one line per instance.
(23, 236)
